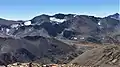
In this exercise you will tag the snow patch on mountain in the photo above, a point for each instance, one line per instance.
(14, 25)
(57, 20)
(27, 23)
(7, 30)
(99, 23)
(118, 18)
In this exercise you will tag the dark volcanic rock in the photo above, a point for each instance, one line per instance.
(59, 16)
(40, 19)
(32, 48)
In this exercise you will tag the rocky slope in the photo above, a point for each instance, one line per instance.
(107, 56)
(35, 49)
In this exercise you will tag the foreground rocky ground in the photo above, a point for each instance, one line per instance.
(103, 56)
(40, 65)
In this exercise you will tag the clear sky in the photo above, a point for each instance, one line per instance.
(27, 9)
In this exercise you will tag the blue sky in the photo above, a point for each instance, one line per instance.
(27, 9)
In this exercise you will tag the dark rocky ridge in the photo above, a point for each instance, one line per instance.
(33, 48)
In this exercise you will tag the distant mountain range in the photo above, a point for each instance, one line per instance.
(61, 25)
(43, 37)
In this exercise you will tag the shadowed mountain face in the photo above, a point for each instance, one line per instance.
(18, 55)
(32, 48)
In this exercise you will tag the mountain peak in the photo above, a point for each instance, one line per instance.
(115, 16)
